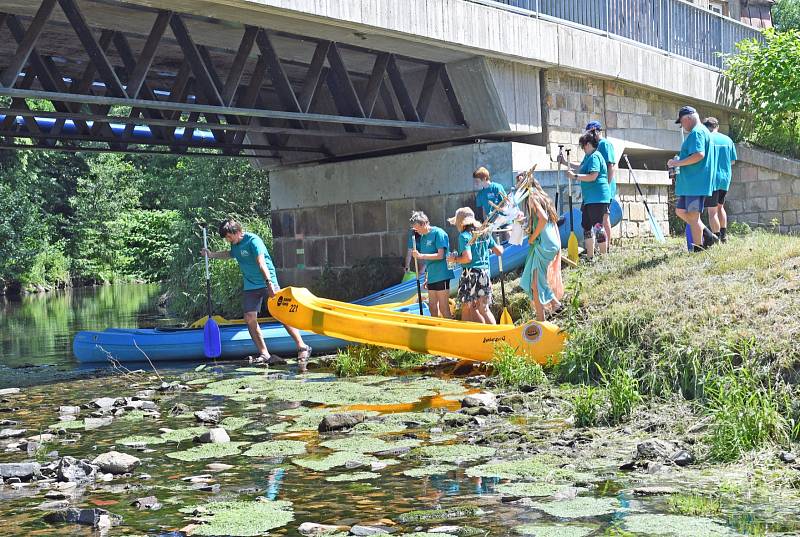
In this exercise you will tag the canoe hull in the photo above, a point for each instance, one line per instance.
(542, 342)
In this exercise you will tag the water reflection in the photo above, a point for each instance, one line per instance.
(37, 329)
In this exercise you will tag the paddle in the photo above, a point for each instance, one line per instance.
(558, 179)
(212, 345)
(505, 317)
(572, 243)
(653, 224)
(416, 269)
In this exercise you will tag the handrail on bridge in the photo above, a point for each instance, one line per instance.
(673, 26)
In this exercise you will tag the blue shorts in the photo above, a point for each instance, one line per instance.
(691, 204)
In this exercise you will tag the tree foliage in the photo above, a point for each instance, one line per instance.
(786, 15)
(768, 76)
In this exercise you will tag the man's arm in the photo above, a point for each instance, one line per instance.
(262, 266)
(691, 159)
(225, 254)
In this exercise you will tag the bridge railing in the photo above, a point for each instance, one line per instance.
(673, 26)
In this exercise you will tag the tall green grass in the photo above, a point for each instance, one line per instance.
(515, 371)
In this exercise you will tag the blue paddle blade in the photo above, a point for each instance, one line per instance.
(689, 244)
(212, 345)
(659, 235)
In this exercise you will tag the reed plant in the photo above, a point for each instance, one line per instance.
(588, 402)
(516, 371)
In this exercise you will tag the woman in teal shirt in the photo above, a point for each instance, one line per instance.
(593, 176)
(432, 247)
(475, 285)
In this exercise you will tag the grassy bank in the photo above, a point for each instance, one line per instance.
(650, 323)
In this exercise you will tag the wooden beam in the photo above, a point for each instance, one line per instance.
(139, 73)
(428, 85)
(344, 92)
(374, 83)
(313, 78)
(401, 91)
(27, 43)
(239, 63)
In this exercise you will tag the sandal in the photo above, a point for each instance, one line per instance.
(305, 353)
(267, 359)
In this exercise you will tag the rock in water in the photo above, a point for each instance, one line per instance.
(72, 470)
(213, 436)
(337, 422)
(116, 463)
(21, 470)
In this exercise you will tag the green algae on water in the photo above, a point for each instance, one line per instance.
(232, 423)
(529, 490)
(67, 425)
(434, 469)
(368, 444)
(550, 530)
(241, 518)
(675, 526)
(539, 467)
(454, 452)
(276, 448)
(141, 440)
(181, 435)
(355, 476)
(440, 515)
(339, 458)
(207, 451)
(378, 427)
(579, 507)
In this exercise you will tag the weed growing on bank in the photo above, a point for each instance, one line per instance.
(358, 360)
(513, 371)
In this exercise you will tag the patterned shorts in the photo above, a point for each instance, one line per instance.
(474, 284)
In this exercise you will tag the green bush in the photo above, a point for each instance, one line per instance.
(50, 267)
(587, 404)
(150, 242)
(358, 360)
(623, 394)
(746, 414)
(515, 371)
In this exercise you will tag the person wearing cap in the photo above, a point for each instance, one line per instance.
(432, 247)
(593, 176)
(475, 285)
(695, 182)
(725, 154)
(541, 277)
(606, 149)
(489, 192)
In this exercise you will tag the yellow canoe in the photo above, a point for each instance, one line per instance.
(297, 307)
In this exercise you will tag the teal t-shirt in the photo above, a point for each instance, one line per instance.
(696, 179)
(493, 193)
(725, 154)
(606, 149)
(429, 244)
(480, 249)
(598, 190)
(246, 252)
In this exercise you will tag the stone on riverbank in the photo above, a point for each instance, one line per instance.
(97, 518)
(484, 399)
(72, 470)
(338, 422)
(213, 436)
(312, 528)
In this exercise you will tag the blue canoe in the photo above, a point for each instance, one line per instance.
(564, 228)
(186, 344)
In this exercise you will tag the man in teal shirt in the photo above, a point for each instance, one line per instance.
(260, 283)
(606, 150)
(725, 153)
(695, 180)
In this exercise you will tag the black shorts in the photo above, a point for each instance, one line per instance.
(591, 214)
(716, 198)
(443, 285)
(253, 298)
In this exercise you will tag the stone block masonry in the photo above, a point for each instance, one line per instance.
(765, 190)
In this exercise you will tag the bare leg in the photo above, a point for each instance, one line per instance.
(535, 292)
(589, 244)
(713, 219)
(478, 314)
(444, 304)
(607, 229)
(693, 221)
(433, 305)
(603, 246)
(298, 339)
(722, 216)
(251, 318)
(487, 311)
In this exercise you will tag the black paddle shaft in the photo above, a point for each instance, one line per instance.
(635, 182)
(416, 267)
(571, 216)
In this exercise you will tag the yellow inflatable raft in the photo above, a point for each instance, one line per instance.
(297, 307)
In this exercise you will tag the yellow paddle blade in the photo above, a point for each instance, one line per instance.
(572, 248)
(505, 317)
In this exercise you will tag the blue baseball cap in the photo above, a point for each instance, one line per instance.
(685, 111)
(594, 126)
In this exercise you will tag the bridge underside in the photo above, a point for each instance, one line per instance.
(111, 76)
